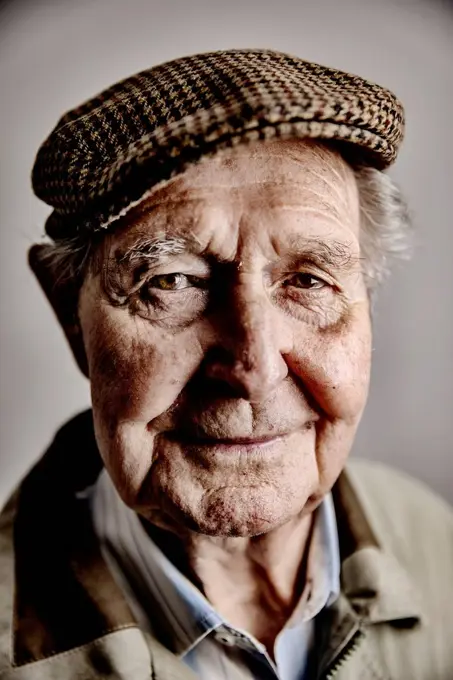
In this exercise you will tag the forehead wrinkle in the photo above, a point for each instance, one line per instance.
(333, 186)
(330, 206)
(330, 159)
(342, 215)
(326, 212)
(336, 166)
(155, 224)
(330, 169)
(191, 186)
(274, 158)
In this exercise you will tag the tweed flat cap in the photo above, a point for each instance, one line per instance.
(104, 156)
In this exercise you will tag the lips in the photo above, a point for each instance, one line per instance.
(203, 440)
(212, 448)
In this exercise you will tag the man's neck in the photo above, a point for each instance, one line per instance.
(254, 583)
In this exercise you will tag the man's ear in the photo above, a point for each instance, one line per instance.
(63, 298)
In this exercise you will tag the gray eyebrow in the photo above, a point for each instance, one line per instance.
(154, 248)
(333, 254)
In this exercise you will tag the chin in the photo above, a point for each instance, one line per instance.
(245, 512)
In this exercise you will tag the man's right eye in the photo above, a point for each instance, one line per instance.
(173, 300)
(175, 281)
(169, 282)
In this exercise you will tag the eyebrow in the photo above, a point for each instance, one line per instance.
(332, 254)
(155, 248)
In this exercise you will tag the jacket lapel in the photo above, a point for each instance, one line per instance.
(122, 654)
(126, 654)
(61, 577)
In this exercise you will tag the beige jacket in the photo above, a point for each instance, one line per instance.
(62, 617)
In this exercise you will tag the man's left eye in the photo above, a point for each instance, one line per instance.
(305, 281)
(170, 282)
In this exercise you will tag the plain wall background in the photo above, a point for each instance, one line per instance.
(53, 55)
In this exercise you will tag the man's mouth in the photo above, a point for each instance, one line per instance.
(230, 445)
(230, 441)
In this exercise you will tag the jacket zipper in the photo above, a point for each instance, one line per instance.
(345, 654)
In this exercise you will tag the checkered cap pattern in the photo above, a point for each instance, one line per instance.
(104, 156)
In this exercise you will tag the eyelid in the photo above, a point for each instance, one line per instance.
(179, 265)
(310, 270)
(329, 281)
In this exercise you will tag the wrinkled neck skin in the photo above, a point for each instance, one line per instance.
(254, 583)
(229, 366)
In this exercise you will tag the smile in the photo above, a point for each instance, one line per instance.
(236, 446)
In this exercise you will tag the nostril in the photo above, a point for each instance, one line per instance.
(218, 368)
(218, 354)
(217, 387)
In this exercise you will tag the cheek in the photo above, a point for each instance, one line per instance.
(334, 367)
(336, 374)
(136, 370)
(136, 373)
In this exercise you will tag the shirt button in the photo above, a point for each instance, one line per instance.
(226, 639)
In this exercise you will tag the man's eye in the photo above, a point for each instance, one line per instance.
(170, 282)
(305, 281)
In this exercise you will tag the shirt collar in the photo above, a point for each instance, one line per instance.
(152, 579)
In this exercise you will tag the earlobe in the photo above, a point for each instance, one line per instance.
(63, 298)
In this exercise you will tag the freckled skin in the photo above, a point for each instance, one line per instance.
(252, 358)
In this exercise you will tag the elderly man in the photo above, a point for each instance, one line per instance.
(220, 223)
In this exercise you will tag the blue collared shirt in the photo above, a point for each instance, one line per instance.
(203, 639)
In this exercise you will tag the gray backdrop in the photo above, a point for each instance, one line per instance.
(55, 54)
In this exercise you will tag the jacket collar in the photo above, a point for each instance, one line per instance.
(376, 584)
(59, 567)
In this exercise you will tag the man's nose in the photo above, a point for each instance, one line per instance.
(252, 342)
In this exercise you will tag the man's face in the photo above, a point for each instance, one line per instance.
(228, 340)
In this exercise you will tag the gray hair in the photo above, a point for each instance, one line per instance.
(386, 229)
(384, 234)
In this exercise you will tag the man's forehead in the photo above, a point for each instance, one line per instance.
(273, 162)
(288, 189)
(310, 206)
(282, 172)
